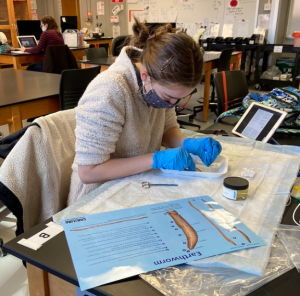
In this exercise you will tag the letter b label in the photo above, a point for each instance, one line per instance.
(44, 235)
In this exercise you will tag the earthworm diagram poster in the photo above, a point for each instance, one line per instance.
(114, 245)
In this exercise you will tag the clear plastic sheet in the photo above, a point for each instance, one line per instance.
(275, 168)
(184, 280)
(270, 73)
(290, 237)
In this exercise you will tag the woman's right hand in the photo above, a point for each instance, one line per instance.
(23, 49)
(173, 159)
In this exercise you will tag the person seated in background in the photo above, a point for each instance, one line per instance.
(127, 112)
(51, 36)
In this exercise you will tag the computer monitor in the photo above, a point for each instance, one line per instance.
(29, 27)
(68, 22)
(152, 26)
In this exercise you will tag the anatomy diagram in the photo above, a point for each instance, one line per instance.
(188, 230)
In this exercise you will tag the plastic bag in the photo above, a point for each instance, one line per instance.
(290, 237)
(3, 39)
(270, 73)
(184, 280)
(73, 38)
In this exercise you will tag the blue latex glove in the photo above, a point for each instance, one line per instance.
(173, 159)
(206, 148)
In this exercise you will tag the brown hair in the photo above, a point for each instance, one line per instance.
(169, 57)
(50, 21)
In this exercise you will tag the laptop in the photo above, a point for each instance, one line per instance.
(259, 122)
(27, 41)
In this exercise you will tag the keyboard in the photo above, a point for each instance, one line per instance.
(19, 52)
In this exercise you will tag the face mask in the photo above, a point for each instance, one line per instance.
(44, 28)
(154, 100)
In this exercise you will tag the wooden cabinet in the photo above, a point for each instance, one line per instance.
(10, 12)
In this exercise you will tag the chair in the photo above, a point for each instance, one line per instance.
(223, 65)
(231, 88)
(73, 84)
(100, 45)
(38, 169)
(3, 213)
(96, 53)
(58, 58)
(118, 43)
(182, 111)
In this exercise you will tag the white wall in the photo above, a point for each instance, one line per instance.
(48, 7)
(107, 26)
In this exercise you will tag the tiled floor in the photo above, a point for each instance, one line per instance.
(13, 277)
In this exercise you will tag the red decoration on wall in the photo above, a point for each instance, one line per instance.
(233, 3)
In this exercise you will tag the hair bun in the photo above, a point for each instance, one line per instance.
(140, 34)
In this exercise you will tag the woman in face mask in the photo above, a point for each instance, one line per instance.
(51, 36)
(127, 112)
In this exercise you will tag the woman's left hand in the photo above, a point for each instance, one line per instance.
(207, 149)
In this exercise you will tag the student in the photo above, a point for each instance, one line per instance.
(127, 112)
(50, 36)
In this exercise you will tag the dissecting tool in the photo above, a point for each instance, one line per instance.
(148, 185)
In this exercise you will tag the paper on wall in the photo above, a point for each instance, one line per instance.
(34, 15)
(243, 28)
(33, 4)
(132, 1)
(100, 8)
(153, 16)
(172, 15)
(163, 15)
(116, 10)
(187, 2)
(139, 14)
(191, 29)
(207, 24)
(214, 30)
(116, 31)
(263, 21)
(229, 18)
(227, 30)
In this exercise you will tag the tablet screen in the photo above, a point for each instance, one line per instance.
(259, 122)
(27, 41)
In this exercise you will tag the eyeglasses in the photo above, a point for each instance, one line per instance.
(188, 96)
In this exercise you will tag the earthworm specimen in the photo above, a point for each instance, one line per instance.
(241, 232)
(188, 230)
(107, 224)
(227, 238)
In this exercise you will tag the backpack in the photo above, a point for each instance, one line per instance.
(286, 98)
(5, 48)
